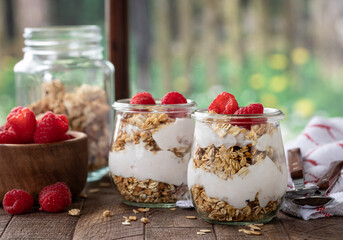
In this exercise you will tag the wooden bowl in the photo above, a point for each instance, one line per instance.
(31, 167)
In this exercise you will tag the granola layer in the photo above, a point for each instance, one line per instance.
(148, 191)
(218, 210)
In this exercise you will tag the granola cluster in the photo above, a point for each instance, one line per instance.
(147, 123)
(138, 128)
(217, 210)
(226, 162)
(147, 191)
(86, 109)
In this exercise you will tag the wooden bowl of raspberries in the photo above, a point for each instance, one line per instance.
(36, 153)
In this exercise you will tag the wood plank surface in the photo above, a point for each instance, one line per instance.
(42, 225)
(5, 218)
(93, 225)
(272, 230)
(323, 228)
(163, 223)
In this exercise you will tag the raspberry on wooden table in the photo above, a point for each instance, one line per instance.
(55, 198)
(144, 98)
(173, 98)
(23, 123)
(224, 103)
(17, 201)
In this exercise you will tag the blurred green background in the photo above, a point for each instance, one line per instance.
(286, 54)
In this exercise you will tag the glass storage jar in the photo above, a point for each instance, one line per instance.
(150, 151)
(63, 71)
(237, 173)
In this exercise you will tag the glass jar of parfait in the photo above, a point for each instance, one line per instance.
(151, 147)
(63, 71)
(237, 173)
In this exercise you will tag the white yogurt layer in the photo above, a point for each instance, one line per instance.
(264, 178)
(175, 135)
(206, 136)
(136, 161)
(164, 165)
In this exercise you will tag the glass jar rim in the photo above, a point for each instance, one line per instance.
(124, 105)
(61, 39)
(202, 114)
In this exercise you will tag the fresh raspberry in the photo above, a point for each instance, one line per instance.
(9, 137)
(23, 122)
(144, 98)
(6, 126)
(63, 123)
(16, 109)
(254, 108)
(55, 198)
(66, 137)
(224, 103)
(51, 128)
(173, 98)
(17, 201)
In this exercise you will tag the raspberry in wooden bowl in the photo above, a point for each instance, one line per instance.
(31, 167)
(36, 152)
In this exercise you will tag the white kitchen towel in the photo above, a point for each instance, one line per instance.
(321, 143)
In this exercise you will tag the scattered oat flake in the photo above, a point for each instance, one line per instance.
(84, 195)
(172, 209)
(258, 224)
(74, 212)
(94, 190)
(191, 217)
(254, 227)
(104, 184)
(201, 233)
(143, 209)
(249, 232)
(126, 223)
(144, 220)
(135, 211)
(205, 230)
(133, 218)
(106, 213)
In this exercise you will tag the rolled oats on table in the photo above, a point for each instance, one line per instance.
(87, 111)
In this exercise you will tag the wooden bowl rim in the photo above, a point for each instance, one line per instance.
(78, 136)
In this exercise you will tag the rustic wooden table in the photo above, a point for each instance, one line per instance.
(164, 223)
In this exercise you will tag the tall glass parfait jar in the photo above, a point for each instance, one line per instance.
(151, 147)
(63, 71)
(237, 173)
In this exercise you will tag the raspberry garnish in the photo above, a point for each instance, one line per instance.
(144, 98)
(254, 108)
(51, 128)
(17, 201)
(224, 103)
(9, 137)
(23, 122)
(55, 198)
(173, 98)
